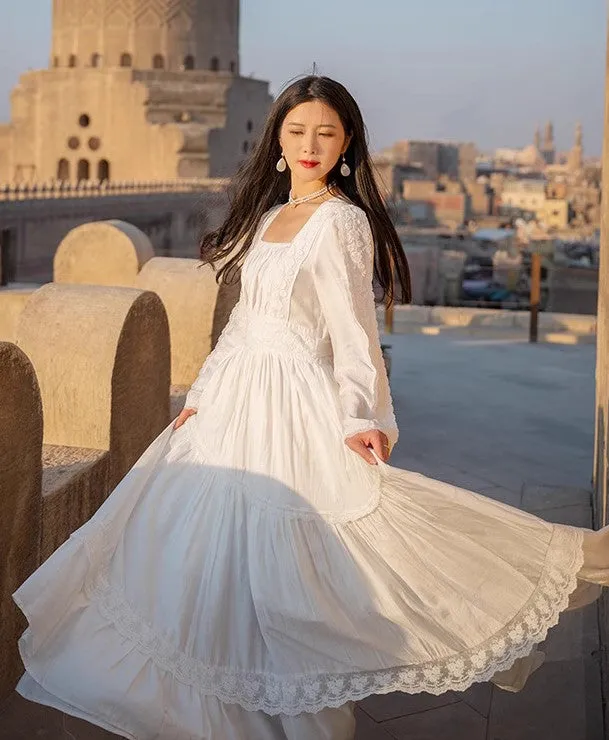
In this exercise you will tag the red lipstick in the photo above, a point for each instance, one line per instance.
(309, 164)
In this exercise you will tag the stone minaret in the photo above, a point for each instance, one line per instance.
(537, 139)
(175, 35)
(576, 155)
(549, 149)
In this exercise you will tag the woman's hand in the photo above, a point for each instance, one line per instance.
(184, 414)
(374, 438)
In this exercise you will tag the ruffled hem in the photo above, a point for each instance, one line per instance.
(32, 687)
(84, 569)
(292, 694)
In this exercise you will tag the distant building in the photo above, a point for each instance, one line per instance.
(146, 90)
(555, 213)
(524, 194)
(390, 175)
(430, 204)
(529, 158)
(456, 161)
(549, 202)
(468, 152)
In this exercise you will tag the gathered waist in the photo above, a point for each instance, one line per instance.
(271, 335)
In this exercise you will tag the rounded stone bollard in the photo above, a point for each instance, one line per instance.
(197, 307)
(102, 253)
(102, 359)
(12, 303)
(20, 498)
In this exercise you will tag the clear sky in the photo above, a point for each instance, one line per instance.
(480, 70)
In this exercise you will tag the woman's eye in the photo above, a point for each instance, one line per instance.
(297, 133)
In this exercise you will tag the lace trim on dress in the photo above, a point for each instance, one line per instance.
(357, 238)
(278, 304)
(295, 693)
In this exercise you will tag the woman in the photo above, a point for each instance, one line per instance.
(262, 566)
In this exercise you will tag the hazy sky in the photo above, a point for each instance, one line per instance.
(478, 70)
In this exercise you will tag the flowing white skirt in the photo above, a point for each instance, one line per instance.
(251, 557)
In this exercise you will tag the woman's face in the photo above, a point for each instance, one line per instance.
(312, 138)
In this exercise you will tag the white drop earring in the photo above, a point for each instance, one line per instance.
(281, 164)
(345, 170)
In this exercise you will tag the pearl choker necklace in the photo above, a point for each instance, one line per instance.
(296, 201)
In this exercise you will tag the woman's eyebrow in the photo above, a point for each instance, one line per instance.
(321, 125)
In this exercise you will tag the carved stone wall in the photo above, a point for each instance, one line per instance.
(127, 124)
(146, 34)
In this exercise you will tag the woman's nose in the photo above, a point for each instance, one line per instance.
(310, 145)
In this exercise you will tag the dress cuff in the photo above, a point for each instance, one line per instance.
(192, 399)
(356, 426)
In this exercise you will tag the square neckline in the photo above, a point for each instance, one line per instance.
(268, 224)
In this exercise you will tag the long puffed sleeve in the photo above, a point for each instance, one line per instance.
(230, 338)
(342, 272)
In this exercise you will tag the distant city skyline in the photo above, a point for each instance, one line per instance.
(476, 72)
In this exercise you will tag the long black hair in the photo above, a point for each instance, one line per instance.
(258, 186)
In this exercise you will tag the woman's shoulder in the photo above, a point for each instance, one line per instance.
(342, 211)
(349, 230)
(346, 216)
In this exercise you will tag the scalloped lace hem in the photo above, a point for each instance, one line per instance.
(295, 693)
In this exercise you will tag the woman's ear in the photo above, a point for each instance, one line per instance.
(347, 142)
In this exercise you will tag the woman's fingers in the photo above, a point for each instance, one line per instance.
(380, 446)
(184, 414)
(362, 442)
(358, 444)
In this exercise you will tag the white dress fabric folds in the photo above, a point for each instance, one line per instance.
(251, 557)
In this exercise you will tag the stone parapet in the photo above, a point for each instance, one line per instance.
(462, 317)
(75, 483)
(102, 253)
(102, 359)
(12, 303)
(97, 361)
(117, 253)
(21, 510)
(197, 309)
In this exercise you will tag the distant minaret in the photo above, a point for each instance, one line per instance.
(548, 150)
(576, 155)
(537, 139)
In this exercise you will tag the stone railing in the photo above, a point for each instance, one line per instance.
(94, 362)
(115, 253)
(95, 188)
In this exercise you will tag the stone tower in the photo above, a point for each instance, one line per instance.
(576, 155)
(135, 90)
(537, 139)
(548, 150)
(175, 35)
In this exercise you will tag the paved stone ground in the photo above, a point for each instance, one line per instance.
(512, 421)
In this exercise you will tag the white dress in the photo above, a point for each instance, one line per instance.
(252, 557)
